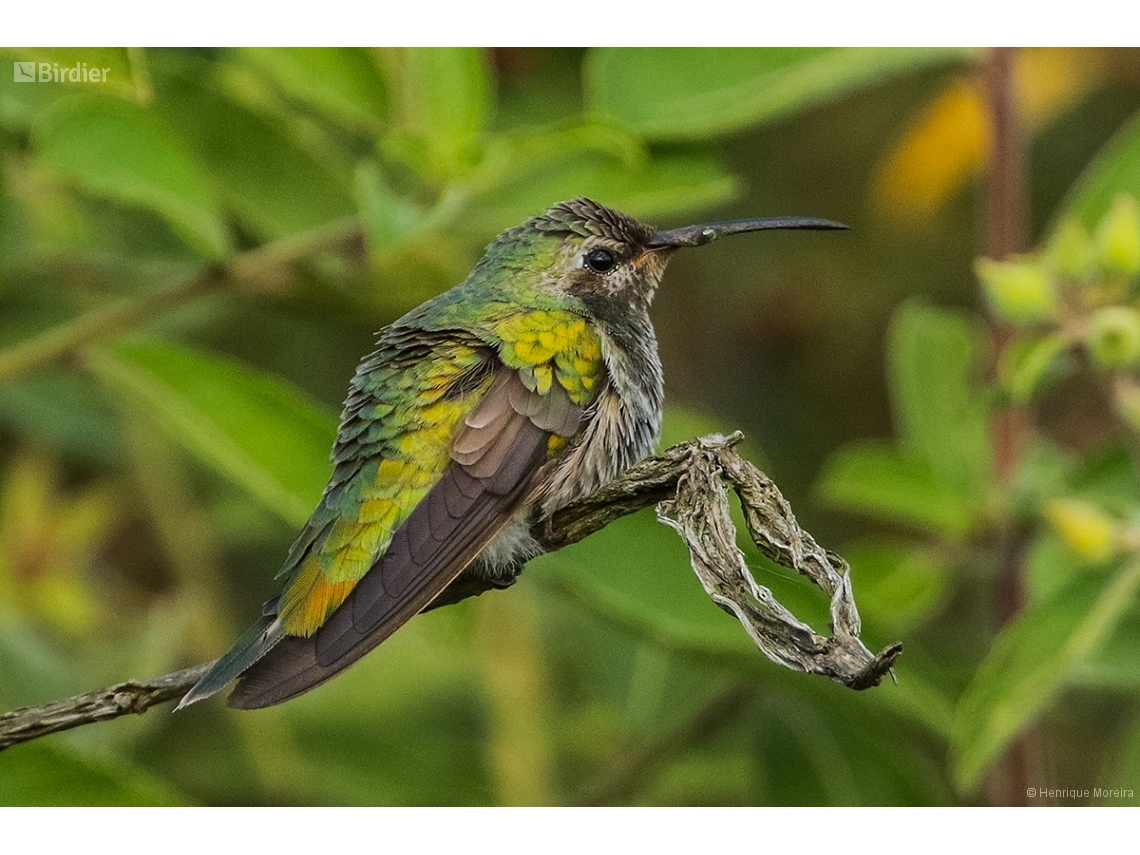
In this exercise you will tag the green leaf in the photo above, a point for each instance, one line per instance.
(272, 183)
(21, 105)
(39, 774)
(1029, 664)
(1070, 252)
(941, 417)
(1029, 363)
(638, 570)
(823, 753)
(443, 98)
(509, 156)
(62, 410)
(1118, 238)
(896, 584)
(692, 93)
(1115, 170)
(1049, 566)
(35, 669)
(919, 697)
(873, 478)
(1110, 478)
(253, 428)
(664, 185)
(388, 218)
(1020, 292)
(515, 170)
(120, 151)
(342, 83)
(1116, 665)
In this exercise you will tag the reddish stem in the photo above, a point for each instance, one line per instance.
(1006, 194)
(1006, 235)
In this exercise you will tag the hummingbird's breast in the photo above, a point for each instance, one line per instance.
(623, 424)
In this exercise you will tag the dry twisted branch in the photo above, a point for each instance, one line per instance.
(688, 483)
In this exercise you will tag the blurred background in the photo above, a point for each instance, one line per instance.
(961, 430)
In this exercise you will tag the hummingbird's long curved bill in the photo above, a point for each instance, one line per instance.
(703, 233)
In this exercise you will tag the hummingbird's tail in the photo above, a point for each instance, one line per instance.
(262, 637)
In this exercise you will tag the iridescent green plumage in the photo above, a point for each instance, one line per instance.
(534, 382)
(396, 446)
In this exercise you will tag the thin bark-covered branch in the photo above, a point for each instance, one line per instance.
(247, 268)
(689, 484)
(133, 696)
(700, 514)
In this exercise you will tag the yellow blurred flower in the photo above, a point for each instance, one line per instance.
(1085, 528)
(945, 144)
(49, 537)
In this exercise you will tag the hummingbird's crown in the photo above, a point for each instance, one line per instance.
(586, 218)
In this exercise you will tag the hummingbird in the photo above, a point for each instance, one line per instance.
(531, 384)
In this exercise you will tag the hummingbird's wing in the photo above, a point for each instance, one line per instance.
(441, 443)
(496, 461)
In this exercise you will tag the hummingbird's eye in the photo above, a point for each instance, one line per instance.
(600, 260)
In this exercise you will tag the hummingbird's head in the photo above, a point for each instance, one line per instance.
(606, 258)
(601, 253)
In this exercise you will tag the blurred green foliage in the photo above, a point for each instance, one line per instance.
(150, 485)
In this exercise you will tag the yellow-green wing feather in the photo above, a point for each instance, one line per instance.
(442, 438)
(393, 448)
